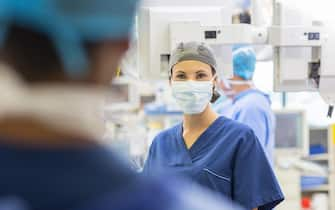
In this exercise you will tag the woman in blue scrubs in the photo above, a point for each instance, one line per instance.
(218, 153)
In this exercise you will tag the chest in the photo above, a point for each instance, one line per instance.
(211, 167)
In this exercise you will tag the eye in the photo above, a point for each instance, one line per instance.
(202, 76)
(180, 76)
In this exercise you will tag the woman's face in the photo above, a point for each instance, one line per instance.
(192, 70)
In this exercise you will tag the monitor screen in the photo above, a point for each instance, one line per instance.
(319, 136)
(289, 130)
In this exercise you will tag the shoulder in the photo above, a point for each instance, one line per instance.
(252, 105)
(236, 127)
(241, 132)
(165, 135)
(170, 132)
(255, 99)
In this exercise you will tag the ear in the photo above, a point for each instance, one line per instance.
(215, 80)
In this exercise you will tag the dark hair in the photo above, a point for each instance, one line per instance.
(32, 55)
(215, 95)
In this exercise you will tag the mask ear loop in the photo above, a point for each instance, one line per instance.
(237, 82)
(214, 77)
(226, 83)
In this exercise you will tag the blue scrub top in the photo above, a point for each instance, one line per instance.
(253, 108)
(226, 158)
(88, 178)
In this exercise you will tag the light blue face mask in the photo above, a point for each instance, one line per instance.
(192, 96)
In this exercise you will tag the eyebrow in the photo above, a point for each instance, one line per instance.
(179, 71)
(201, 71)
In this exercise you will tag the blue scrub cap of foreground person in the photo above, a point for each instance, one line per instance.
(244, 61)
(68, 23)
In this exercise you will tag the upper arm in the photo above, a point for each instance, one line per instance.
(252, 171)
(255, 118)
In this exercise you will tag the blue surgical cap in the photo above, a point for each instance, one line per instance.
(69, 23)
(243, 4)
(244, 61)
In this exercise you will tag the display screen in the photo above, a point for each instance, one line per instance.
(314, 36)
(289, 132)
(319, 137)
(210, 34)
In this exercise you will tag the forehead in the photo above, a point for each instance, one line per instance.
(191, 65)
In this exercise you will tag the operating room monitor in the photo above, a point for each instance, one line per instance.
(160, 29)
(291, 130)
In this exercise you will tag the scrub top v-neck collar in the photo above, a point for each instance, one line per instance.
(203, 141)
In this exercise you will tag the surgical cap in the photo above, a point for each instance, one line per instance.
(243, 4)
(192, 51)
(244, 61)
(69, 23)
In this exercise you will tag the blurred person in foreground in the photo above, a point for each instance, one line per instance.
(57, 57)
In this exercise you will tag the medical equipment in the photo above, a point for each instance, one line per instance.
(127, 99)
(318, 141)
(302, 49)
(320, 201)
(291, 133)
(120, 117)
(162, 27)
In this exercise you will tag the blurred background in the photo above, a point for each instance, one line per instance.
(305, 136)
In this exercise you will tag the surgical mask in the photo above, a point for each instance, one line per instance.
(192, 96)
